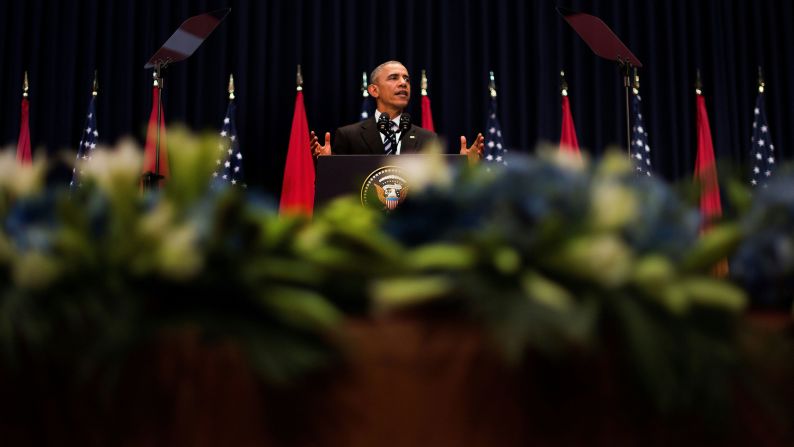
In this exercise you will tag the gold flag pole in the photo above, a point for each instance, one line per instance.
(25, 85)
(423, 84)
(761, 83)
(95, 84)
(299, 79)
(231, 86)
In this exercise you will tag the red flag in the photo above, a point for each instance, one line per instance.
(706, 169)
(151, 140)
(23, 146)
(706, 176)
(568, 140)
(427, 114)
(297, 190)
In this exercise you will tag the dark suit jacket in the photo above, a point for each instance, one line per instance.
(363, 138)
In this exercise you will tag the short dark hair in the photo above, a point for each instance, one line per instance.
(380, 67)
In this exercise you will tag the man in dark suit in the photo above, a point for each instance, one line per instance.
(390, 85)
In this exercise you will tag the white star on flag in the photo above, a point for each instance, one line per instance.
(87, 144)
(230, 166)
(761, 145)
(639, 137)
(494, 145)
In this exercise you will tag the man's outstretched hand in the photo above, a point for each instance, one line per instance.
(315, 145)
(475, 151)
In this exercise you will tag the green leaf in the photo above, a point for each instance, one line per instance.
(546, 292)
(441, 256)
(506, 260)
(398, 293)
(652, 273)
(712, 247)
(303, 308)
(708, 292)
(603, 259)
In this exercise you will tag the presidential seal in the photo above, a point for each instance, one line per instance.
(385, 188)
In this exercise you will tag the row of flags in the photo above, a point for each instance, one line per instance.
(298, 182)
(762, 151)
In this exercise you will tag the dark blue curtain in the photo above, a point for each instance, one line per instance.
(61, 42)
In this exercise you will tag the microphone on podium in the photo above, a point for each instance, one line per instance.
(383, 124)
(405, 124)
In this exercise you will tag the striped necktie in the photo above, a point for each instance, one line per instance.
(390, 143)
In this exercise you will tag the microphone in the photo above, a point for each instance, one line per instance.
(405, 123)
(383, 124)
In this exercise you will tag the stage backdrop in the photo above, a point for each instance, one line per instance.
(61, 42)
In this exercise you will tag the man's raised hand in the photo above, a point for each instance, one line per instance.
(475, 151)
(315, 146)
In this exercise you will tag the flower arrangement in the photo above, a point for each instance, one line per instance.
(545, 254)
(550, 254)
(89, 276)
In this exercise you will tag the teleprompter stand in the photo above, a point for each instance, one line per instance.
(604, 43)
(183, 43)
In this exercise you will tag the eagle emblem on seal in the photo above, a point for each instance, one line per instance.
(386, 188)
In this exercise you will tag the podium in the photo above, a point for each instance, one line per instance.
(338, 175)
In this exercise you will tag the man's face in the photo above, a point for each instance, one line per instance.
(392, 88)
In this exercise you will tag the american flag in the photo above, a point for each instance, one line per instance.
(367, 107)
(640, 145)
(87, 144)
(494, 144)
(762, 151)
(229, 164)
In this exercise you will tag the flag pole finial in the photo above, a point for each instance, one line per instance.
(231, 86)
(95, 84)
(424, 82)
(761, 83)
(491, 84)
(563, 84)
(636, 84)
(25, 85)
(364, 85)
(698, 83)
(299, 79)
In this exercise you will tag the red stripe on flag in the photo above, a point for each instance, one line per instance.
(568, 140)
(706, 176)
(297, 189)
(151, 141)
(24, 156)
(706, 169)
(427, 114)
